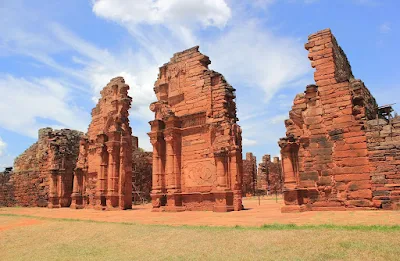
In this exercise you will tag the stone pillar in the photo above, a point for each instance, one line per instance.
(54, 201)
(101, 181)
(236, 179)
(174, 198)
(113, 173)
(290, 165)
(220, 158)
(122, 173)
(157, 187)
(77, 199)
(170, 164)
(156, 166)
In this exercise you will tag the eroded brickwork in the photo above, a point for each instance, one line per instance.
(197, 144)
(383, 137)
(43, 174)
(249, 175)
(325, 158)
(6, 189)
(103, 175)
(270, 178)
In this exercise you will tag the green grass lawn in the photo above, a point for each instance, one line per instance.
(62, 239)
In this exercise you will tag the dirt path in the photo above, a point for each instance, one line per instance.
(268, 212)
(20, 223)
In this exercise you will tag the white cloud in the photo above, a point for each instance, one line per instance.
(255, 56)
(168, 13)
(248, 53)
(385, 28)
(27, 103)
(249, 142)
(3, 147)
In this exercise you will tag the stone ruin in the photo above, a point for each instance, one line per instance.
(43, 174)
(270, 178)
(340, 151)
(197, 144)
(103, 174)
(249, 184)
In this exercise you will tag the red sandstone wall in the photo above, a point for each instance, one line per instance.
(325, 156)
(29, 184)
(270, 179)
(249, 175)
(195, 136)
(6, 190)
(103, 177)
(384, 155)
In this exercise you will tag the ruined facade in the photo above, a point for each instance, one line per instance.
(249, 184)
(197, 145)
(270, 178)
(43, 174)
(332, 156)
(103, 175)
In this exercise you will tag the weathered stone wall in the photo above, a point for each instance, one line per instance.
(197, 157)
(6, 190)
(324, 154)
(103, 176)
(270, 179)
(383, 139)
(249, 175)
(51, 160)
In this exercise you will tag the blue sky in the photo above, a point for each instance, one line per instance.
(56, 56)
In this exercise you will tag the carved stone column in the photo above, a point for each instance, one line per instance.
(170, 163)
(54, 201)
(77, 192)
(174, 197)
(156, 188)
(122, 173)
(113, 173)
(157, 175)
(220, 158)
(101, 178)
(236, 170)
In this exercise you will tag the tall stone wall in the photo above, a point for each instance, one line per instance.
(249, 175)
(325, 158)
(197, 152)
(103, 175)
(270, 178)
(43, 174)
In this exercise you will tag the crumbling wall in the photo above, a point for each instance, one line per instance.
(249, 175)
(269, 179)
(6, 190)
(103, 176)
(53, 156)
(324, 154)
